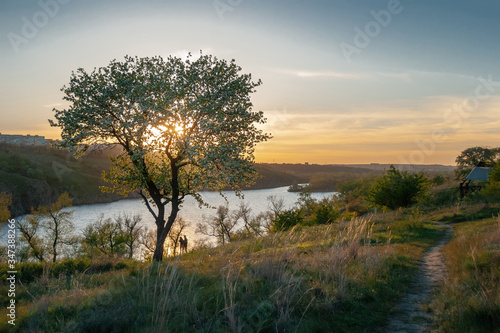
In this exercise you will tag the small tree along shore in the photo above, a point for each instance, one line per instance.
(184, 125)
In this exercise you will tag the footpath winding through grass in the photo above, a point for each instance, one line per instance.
(469, 300)
(412, 313)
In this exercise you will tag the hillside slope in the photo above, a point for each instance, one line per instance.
(38, 175)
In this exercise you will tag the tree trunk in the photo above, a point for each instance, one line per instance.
(56, 236)
(163, 229)
(161, 236)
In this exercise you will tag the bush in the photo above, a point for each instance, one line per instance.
(324, 213)
(491, 192)
(359, 189)
(286, 220)
(398, 189)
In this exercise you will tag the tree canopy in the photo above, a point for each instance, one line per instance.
(472, 156)
(183, 125)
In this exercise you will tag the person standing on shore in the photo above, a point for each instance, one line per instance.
(182, 246)
(185, 244)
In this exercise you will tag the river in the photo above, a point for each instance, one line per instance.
(190, 211)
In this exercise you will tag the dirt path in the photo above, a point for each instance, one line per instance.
(409, 316)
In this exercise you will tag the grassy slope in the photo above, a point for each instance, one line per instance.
(470, 298)
(342, 277)
(37, 175)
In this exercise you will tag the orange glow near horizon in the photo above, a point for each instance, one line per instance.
(284, 148)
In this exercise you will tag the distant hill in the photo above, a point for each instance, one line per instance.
(37, 175)
(407, 167)
(273, 177)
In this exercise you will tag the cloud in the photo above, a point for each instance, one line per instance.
(183, 53)
(53, 105)
(406, 76)
(320, 74)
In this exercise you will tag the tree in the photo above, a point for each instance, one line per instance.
(57, 226)
(276, 205)
(251, 224)
(148, 241)
(104, 236)
(220, 226)
(5, 202)
(471, 157)
(492, 189)
(397, 188)
(183, 125)
(494, 175)
(130, 229)
(34, 246)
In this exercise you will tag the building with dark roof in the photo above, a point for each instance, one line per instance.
(23, 140)
(475, 180)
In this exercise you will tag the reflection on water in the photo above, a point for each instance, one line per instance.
(190, 210)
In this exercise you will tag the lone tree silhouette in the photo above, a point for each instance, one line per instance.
(184, 125)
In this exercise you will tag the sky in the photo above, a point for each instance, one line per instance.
(344, 82)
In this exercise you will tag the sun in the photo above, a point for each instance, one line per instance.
(156, 135)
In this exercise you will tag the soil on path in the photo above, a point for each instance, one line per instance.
(409, 315)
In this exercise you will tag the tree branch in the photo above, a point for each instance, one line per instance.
(147, 204)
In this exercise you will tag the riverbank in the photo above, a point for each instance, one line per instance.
(256, 201)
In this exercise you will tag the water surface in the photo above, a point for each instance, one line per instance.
(190, 211)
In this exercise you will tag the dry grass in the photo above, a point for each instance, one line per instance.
(343, 276)
(268, 283)
(470, 298)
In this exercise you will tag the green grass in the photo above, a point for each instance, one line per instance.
(343, 277)
(471, 213)
(470, 298)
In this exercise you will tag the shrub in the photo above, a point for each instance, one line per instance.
(398, 189)
(355, 189)
(324, 213)
(491, 192)
(286, 220)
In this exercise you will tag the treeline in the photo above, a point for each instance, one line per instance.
(319, 177)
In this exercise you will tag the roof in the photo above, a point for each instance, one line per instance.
(479, 173)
